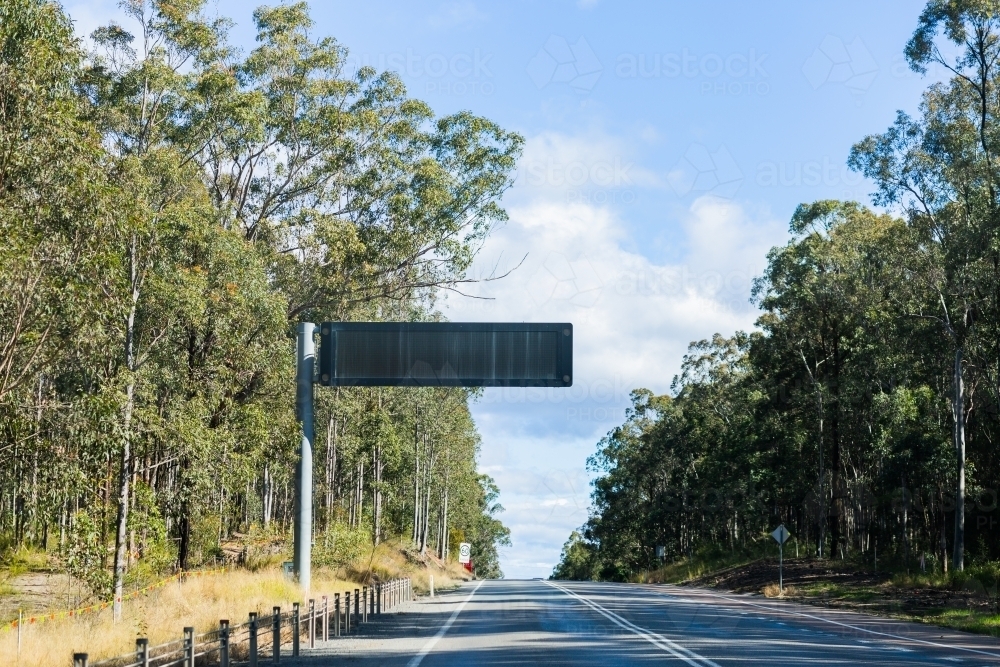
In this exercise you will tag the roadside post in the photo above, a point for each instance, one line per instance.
(252, 657)
(780, 536)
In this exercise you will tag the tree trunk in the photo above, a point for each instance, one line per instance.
(959, 408)
(444, 522)
(125, 473)
(267, 499)
(331, 466)
(377, 493)
(821, 494)
(416, 483)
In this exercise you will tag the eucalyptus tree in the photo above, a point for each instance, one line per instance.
(941, 170)
(49, 243)
(169, 207)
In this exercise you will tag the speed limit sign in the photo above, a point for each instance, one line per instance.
(464, 552)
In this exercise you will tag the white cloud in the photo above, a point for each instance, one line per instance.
(633, 319)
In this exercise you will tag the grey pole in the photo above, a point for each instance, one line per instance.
(305, 361)
(188, 647)
(224, 643)
(276, 637)
(253, 639)
(781, 565)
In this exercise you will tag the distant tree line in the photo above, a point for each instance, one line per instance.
(169, 208)
(864, 410)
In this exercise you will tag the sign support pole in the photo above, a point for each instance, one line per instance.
(305, 361)
(781, 566)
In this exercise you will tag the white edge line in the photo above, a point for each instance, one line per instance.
(657, 640)
(418, 658)
(852, 627)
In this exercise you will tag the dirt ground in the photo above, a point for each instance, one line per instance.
(833, 584)
(35, 592)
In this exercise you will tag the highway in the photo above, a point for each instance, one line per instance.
(574, 623)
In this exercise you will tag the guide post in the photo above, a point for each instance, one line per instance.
(780, 535)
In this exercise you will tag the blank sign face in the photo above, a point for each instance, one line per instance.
(446, 354)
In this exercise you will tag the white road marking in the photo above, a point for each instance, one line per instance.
(852, 627)
(418, 658)
(671, 647)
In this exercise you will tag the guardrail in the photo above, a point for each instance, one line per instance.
(262, 637)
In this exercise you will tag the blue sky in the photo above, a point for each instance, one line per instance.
(668, 144)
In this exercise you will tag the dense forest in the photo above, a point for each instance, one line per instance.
(170, 208)
(863, 411)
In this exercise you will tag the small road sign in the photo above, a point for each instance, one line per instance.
(464, 552)
(780, 536)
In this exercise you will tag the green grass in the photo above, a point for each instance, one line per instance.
(967, 620)
(705, 561)
(828, 590)
(24, 559)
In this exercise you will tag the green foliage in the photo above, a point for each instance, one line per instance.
(155, 550)
(578, 560)
(170, 208)
(86, 554)
(340, 545)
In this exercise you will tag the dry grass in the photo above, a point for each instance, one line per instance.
(161, 615)
(772, 591)
(202, 601)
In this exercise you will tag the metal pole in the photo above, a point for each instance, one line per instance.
(305, 361)
(188, 647)
(357, 606)
(326, 620)
(364, 604)
(336, 614)
(142, 651)
(276, 637)
(296, 629)
(253, 639)
(378, 599)
(347, 613)
(312, 623)
(781, 565)
(224, 643)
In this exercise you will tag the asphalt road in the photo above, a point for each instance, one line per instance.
(569, 623)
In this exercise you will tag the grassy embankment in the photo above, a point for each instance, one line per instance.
(966, 600)
(199, 602)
